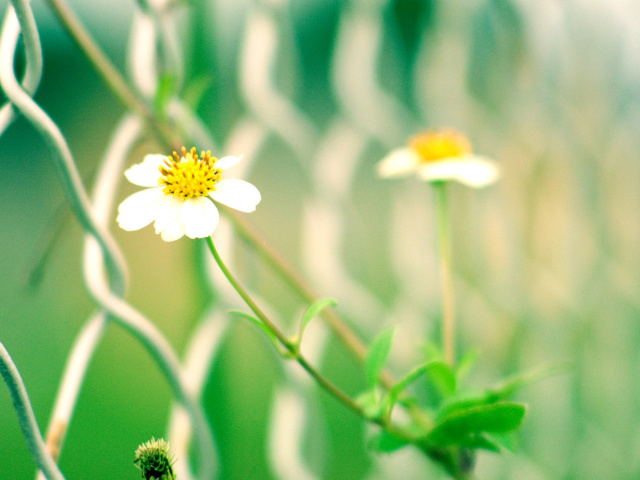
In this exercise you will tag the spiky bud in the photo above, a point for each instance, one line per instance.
(155, 461)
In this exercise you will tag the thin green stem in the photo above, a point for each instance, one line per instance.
(444, 245)
(295, 281)
(282, 338)
(26, 417)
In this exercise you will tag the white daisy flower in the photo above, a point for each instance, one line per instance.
(179, 200)
(439, 157)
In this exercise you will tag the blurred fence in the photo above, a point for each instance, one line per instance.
(314, 93)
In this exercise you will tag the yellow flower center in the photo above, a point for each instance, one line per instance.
(189, 176)
(433, 146)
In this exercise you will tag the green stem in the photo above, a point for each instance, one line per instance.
(292, 347)
(295, 281)
(444, 244)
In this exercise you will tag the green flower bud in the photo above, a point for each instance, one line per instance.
(155, 461)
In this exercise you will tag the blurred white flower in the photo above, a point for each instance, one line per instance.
(179, 200)
(440, 156)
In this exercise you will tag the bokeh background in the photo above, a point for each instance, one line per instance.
(547, 264)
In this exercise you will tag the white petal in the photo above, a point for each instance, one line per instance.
(236, 194)
(228, 161)
(140, 209)
(168, 212)
(147, 173)
(397, 163)
(473, 171)
(199, 216)
(173, 231)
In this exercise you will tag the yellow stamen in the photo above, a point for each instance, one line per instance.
(189, 176)
(433, 146)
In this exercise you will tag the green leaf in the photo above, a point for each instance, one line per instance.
(385, 442)
(314, 309)
(464, 401)
(501, 392)
(378, 355)
(457, 428)
(258, 323)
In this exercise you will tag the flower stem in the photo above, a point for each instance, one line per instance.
(295, 281)
(282, 338)
(444, 245)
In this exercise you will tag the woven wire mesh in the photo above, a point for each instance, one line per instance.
(314, 93)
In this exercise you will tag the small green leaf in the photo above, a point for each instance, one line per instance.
(499, 393)
(314, 309)
(458, 427)
(463, 402)
(378, 355)
(385, 442)
(283, 351)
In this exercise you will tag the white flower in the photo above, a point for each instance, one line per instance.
(438, 157)
(179, 200)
